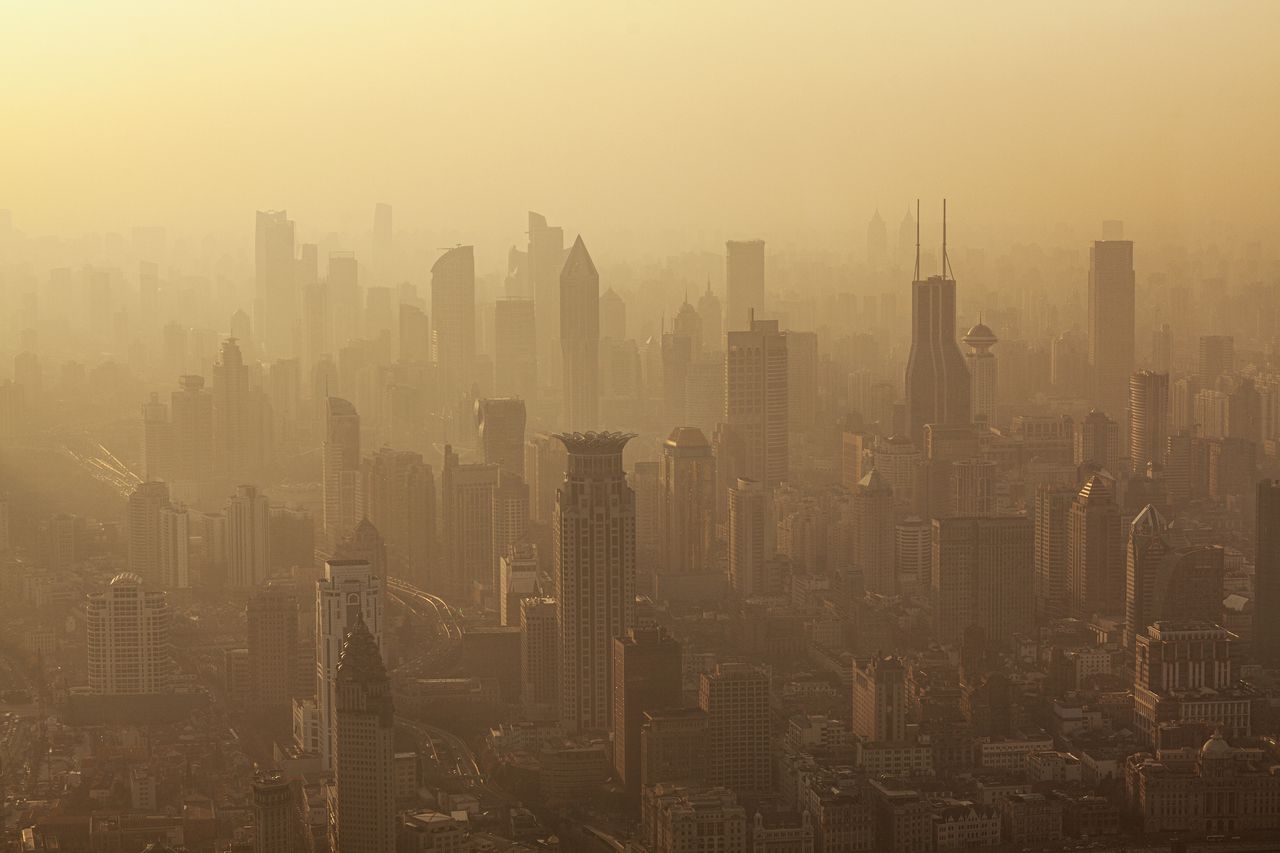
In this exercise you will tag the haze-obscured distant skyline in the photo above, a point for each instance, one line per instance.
(659, 122)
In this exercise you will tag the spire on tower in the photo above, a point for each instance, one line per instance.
(917, 240)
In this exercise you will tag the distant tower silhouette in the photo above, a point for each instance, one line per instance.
(744, 277)
(580, 338)
(937, 380)
(1111, 317)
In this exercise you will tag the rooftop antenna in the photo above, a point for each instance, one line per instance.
(946, 264)
(917, 239)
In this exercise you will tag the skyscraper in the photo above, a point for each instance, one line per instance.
(175, 547)
(510, 515)
(874, 533)
(145, 505)
(613, 316)
(453, 320)
(340, 462)
(1168, 579)
(1216, 358)
(546, 259)
(348, 594)
(272, 621)
(880, 700)
(688, 505)
(646, 677)
(983, 373)
(744, 282)
(750, 542)
(127, 631)
(398, 495)
(973, 487)
(937, 382)
(515, 350)
(735, 698)
(501, 424)
(1052, 506)
(364, 802)
(1148, 419)
(539, 657)
(1111, 318)
(1266, 628)
(580, 338)
(712, 314)
(1098, 442)
(238, 411)
(248, 538)
(276, 289)
(756, 403)
(466, 522)
(595, 569)
(1095, 568)
(982, 576)
(192, 430)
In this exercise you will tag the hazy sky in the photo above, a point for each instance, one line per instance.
(783, 120)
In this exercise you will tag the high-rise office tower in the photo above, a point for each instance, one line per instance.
(248, 538)
(192, 429)
(983, 373)
(515, 350)
(237, 413)
(898, 461)
(595, 574)
(646, 481)
(1148, 419)
(415, 334)
(1167, 578)
(466, 521)
(1052, 505)
(982, 576)
(1097, 442)
(273, 814)
(802, 379)
(143, 516)
(580, 338)
(510, 521)
(973, 488)
(744, 282)
(539, 657)
(688, 502)
(272, 621)
(348, 594)
(712, 314)
(756, 403)
(750, 545)
(453, 320)
(398, 495)
(344, 299)
(1095, 568)
(673, 747)
(937, 383)
(735, 698)
(340, 477)
(677, 354)
(175, 547)
(501, 423)
(127, 630)
(613, 316)
(646, 677)
(1111, 318)
(913, 554)
(517, 580)
(546, 259)
(157, 440)
(880, 700)
(1216, 358)
(364, 801)
(274, 280)
(874, 533)
(1266, 578)
(688, 324)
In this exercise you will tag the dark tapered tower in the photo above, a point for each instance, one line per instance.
(937, 378)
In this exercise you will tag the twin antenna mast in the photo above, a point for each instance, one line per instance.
(946, 262)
